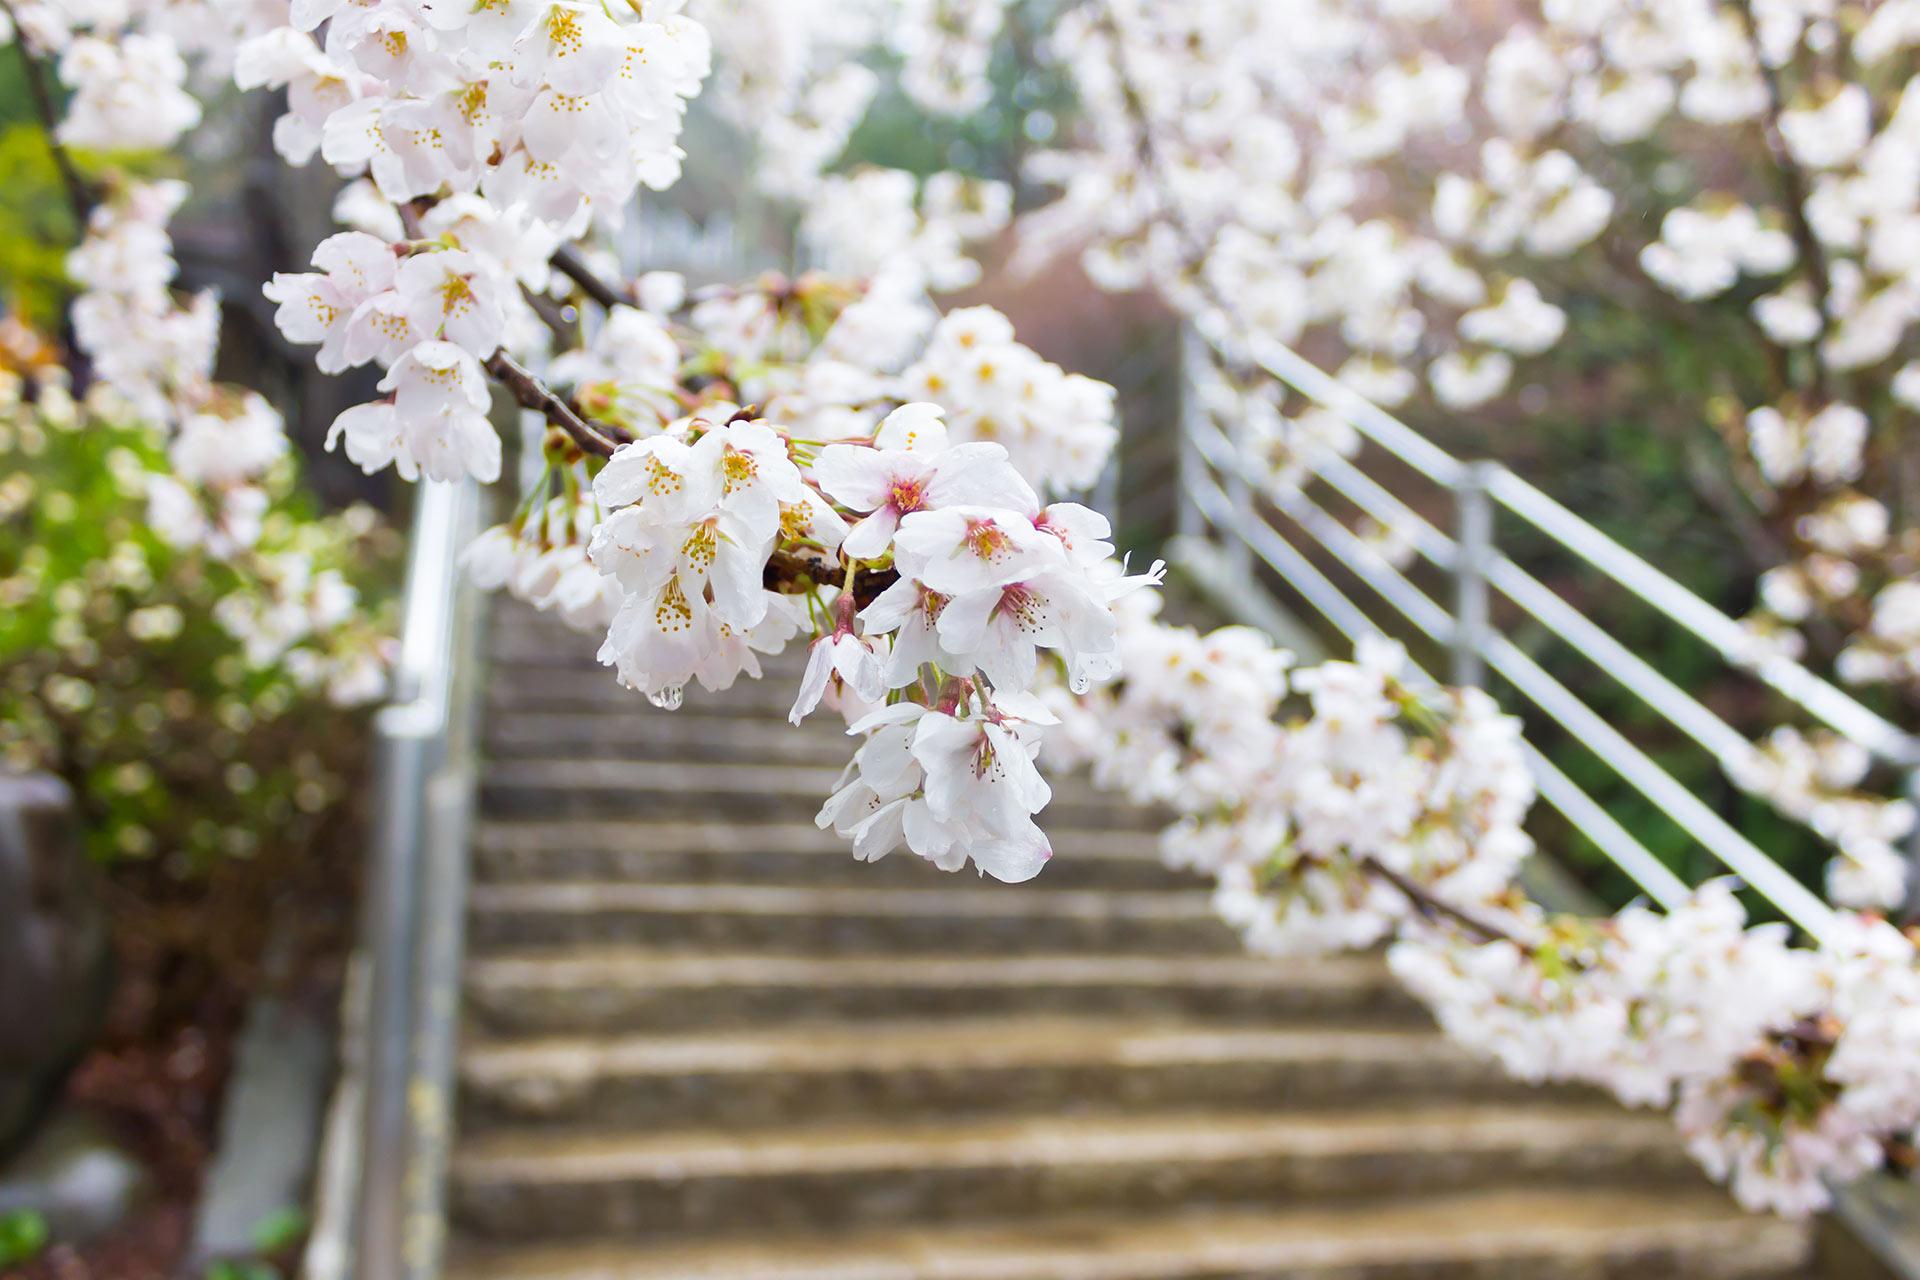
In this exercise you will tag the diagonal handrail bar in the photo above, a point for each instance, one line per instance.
(1587, 817)
(1820, 698)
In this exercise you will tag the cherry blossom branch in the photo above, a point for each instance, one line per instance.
(553, 315)
(568, 262)
(1147, 147)
(80, 193)
(1794, 193)
(597, 438)
(792, 572)
(533, 394)
(1432, 906)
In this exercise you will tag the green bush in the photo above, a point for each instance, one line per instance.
(189, 700)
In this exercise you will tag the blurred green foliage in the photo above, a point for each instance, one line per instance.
(122, 672)
(281, 1229)
(35, 226)
(23, 1235)
(36, 223)
(243, 1271)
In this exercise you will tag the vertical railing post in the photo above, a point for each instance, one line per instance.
(1237, 550)
(1192, 467)
(1473, 552)
(403, 740)
(410, 743)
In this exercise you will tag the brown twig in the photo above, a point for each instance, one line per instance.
(531, 393)
(528, 391)
(80, 193)
(1794, 193)
(1434, 907)
(1146, 146)
(791, 572)
(555, 316)
(568, 262)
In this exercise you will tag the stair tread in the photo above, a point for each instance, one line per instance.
(970, 902)
(549, 1154)
(612, 966)
(1483, 1227)
(577, 773)
(1133, 842)
(981, 1044)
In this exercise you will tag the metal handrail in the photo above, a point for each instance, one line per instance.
(411, 926)
(1819, 698)
(1477, 570)
(1556, 788)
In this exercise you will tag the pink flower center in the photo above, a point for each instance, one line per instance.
(1018, 603)
(986, 540)
(907, 495)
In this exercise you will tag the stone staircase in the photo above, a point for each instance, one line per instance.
(703, 1042)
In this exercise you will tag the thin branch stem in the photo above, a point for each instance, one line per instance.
(791, 572)
(80, 193)
(1794, 193)
(1146, 146)
(531, 393)
(554, 316)
(1434, 907)
(568, 262)
(528, 391)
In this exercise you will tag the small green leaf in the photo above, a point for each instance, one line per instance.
(242, 1271)
(279, 1230)
(23, 1234)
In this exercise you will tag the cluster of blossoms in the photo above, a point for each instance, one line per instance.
(789, 76)
(947, 46)
(1789, 1069)
(1323, 829)
(927, 573)
(558, 108)
(876, 221)
(882, 494)
(830, 358)
(522, 124)
(1416, 192)
(1817, 779)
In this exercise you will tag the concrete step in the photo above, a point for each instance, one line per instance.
(954, 1067)
(662, 789)
(535, 1185)
(1507, 1235)
(990, 919)
(695, 851)
(538, 641)
(612, 989)
(542, 646)
(630, 732)
(514, 687)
